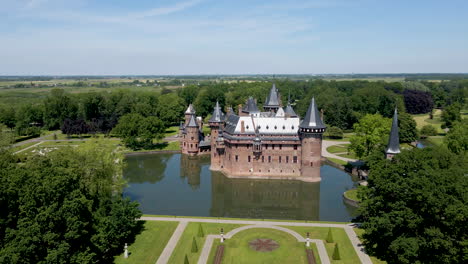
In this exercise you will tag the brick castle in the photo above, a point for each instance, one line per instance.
(273, 143)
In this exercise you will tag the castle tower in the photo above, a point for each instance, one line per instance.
(272, 102)
(189, 112)
(393, 146)
(311, 130)
(216, 123)
(192, 137)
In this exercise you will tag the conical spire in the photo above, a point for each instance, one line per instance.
(272, 100)
(192, 122)
(290, 111)
(190, 110)
(280, 112)
(312, 118)
(393, 146)
(218, 115)
(250, 106)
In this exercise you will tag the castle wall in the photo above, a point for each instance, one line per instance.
(311, 156)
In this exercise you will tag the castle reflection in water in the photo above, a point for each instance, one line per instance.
(174, 184)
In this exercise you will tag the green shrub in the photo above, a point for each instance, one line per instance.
(194, 245)
(186, 259)
(428, 130)
(334, 132)
(336, 253)
(200, 231)
(329, 236)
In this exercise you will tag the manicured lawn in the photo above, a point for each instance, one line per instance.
(423, 119)
(350, 155)
(150, 243)
(18, 148)
(185, 243)
(171, 131)
(374, 260)
(348, 255)
(237, 248)
(338, 148)
(436, 140)
(351, 194)
(338, 161)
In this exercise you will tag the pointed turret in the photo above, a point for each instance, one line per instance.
(218, 115)
(280, 112)
(312, 119)
(393, 146)
(190, 110)
(192, 122)
(272, 102)
(251, 106)
(289, 111)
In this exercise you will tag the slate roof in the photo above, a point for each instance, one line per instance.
(312, 118)
(192, 122)
(393, 146)
(190, 109)
(272, 99)
(280, 112)
(218, 115)
(250, 106)
(289, 111)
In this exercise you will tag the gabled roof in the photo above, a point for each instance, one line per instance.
(250, 106)
(272, 99)
(192, 122)
(289, 111)
(190, 109)
(312, 118)
(393, 146)
(218, 115)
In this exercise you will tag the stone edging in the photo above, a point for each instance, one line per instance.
(350, 201)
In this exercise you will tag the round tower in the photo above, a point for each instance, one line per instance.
(188, 113)
(192, 137)
(311, 131)
(216, 123)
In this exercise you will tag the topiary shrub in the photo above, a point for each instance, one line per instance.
(200, 231)
(194, 245)
(186, 260)
(427, 131)
(329, 236)
(336, 253)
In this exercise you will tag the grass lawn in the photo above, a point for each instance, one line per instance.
(351, 155)
(150, 243)
(237, 248)
(351, 194)
(347, 253)
(185, 242)
(171, 131)
(436, 140)
(423, 119)
(26, 145)
(338, 161)
(338, 148)
(374, 260)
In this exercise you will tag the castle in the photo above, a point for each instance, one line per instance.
(274, 143)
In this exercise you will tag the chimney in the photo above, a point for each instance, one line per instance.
(239, 108)
(321, 114)
(242, 127)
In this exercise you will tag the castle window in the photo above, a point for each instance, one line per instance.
(259, 127)
(191, 145)
(192, 138)
(284, 127)
(295, 147)
(237, 158)
(292, 127)
(247, 127)
(276, 127)
(273, 146)
(184, 144)
(279, 159)
(269, 158)
(196, 145)
(287, 159)
(263, 158)
(266, 146)
(280, 146)
(295, 159)
(248, 158)
(267, 127)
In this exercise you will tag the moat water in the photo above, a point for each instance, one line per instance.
(174, 184)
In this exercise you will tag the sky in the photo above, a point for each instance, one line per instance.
(162, 37)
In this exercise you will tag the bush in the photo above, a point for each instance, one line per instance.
(428, 130)
(336, 253)
(186, 259)
(329, 236)
(200, 231)
(194, 245)
(334, 132)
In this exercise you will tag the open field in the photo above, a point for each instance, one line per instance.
(423, 119)
(149, 244)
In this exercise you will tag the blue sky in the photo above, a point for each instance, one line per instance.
(73, 37)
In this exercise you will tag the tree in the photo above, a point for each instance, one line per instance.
(334, 132)
(6, 138)
(75, 127)
(415, 207)
(371, 134)
(428, 130)
(137, 131)
(189, 93)
(336, 253)
(457, 137)
(57, 107)
(172, 108)
(407, 128)
(7, 116)
(194, 245)
(29, 119)
(450, 115)
(66, 207)
(418, 102)
(186, 261)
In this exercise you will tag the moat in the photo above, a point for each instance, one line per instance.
(175, 184)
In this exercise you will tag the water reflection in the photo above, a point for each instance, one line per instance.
(174, 184)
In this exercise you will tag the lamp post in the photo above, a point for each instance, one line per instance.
(308, 240)
(126, 251)
(222, 235)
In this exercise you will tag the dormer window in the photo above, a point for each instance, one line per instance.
(284, 127)
(267, 127)
(247, 127)
(276, 127)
